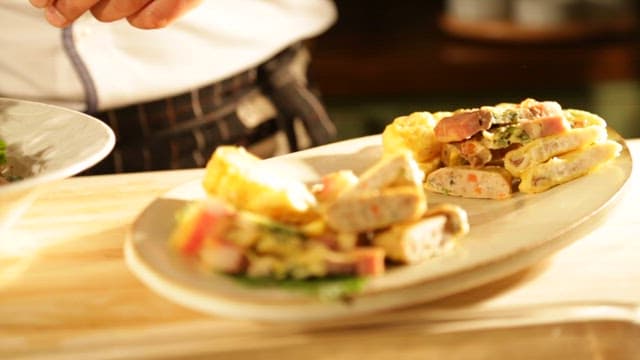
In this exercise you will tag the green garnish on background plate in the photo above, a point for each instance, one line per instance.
(3, 152)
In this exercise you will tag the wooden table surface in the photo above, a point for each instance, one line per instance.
(66, 292)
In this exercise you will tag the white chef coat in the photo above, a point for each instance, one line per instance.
(106, 65)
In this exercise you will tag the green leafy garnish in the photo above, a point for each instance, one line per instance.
(3, 152)
(330, 288)
(503, 116)
(503, 136)
(5, 168)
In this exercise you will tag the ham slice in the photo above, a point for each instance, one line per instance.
(223, 256)
(542, 118)
(545, 126)
(462, 125)
(361, 261)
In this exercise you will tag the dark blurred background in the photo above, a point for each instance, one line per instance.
(383, 59)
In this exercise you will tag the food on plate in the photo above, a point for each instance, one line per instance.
(236, 176)
(5, 171)
(3, 162)
(260, 224)
(492, 151)
(567, 167)
(415, 132)
(388, 192)
(489, 182)
(543, 149)
(412, 242)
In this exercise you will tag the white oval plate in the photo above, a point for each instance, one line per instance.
(46, 143)
(506, 236)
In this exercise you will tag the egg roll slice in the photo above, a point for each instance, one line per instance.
(241, 179)
(568, 167)
(432, 235)
(491, 182)
(413, 132)
(582, 118)
(375, 210)
(411, 243)
(543, 149)
(397, 169)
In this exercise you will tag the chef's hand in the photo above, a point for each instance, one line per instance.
(144, 14)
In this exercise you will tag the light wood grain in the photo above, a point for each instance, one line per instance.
(65, 292)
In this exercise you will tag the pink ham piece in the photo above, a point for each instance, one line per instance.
(546, 126)
(361, 261)
(542, 118)
(223, 256)
(533, 109)
(462, 125)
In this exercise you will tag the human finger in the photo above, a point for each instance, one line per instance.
(61, 13)
(112, 10)
(41, 4)
(160, 13)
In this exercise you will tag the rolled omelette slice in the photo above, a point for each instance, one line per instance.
(568, 167)
(491, 182)
(413, 132)
(236, 176)
(368, 211)
(411, 243)
(543, 149)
